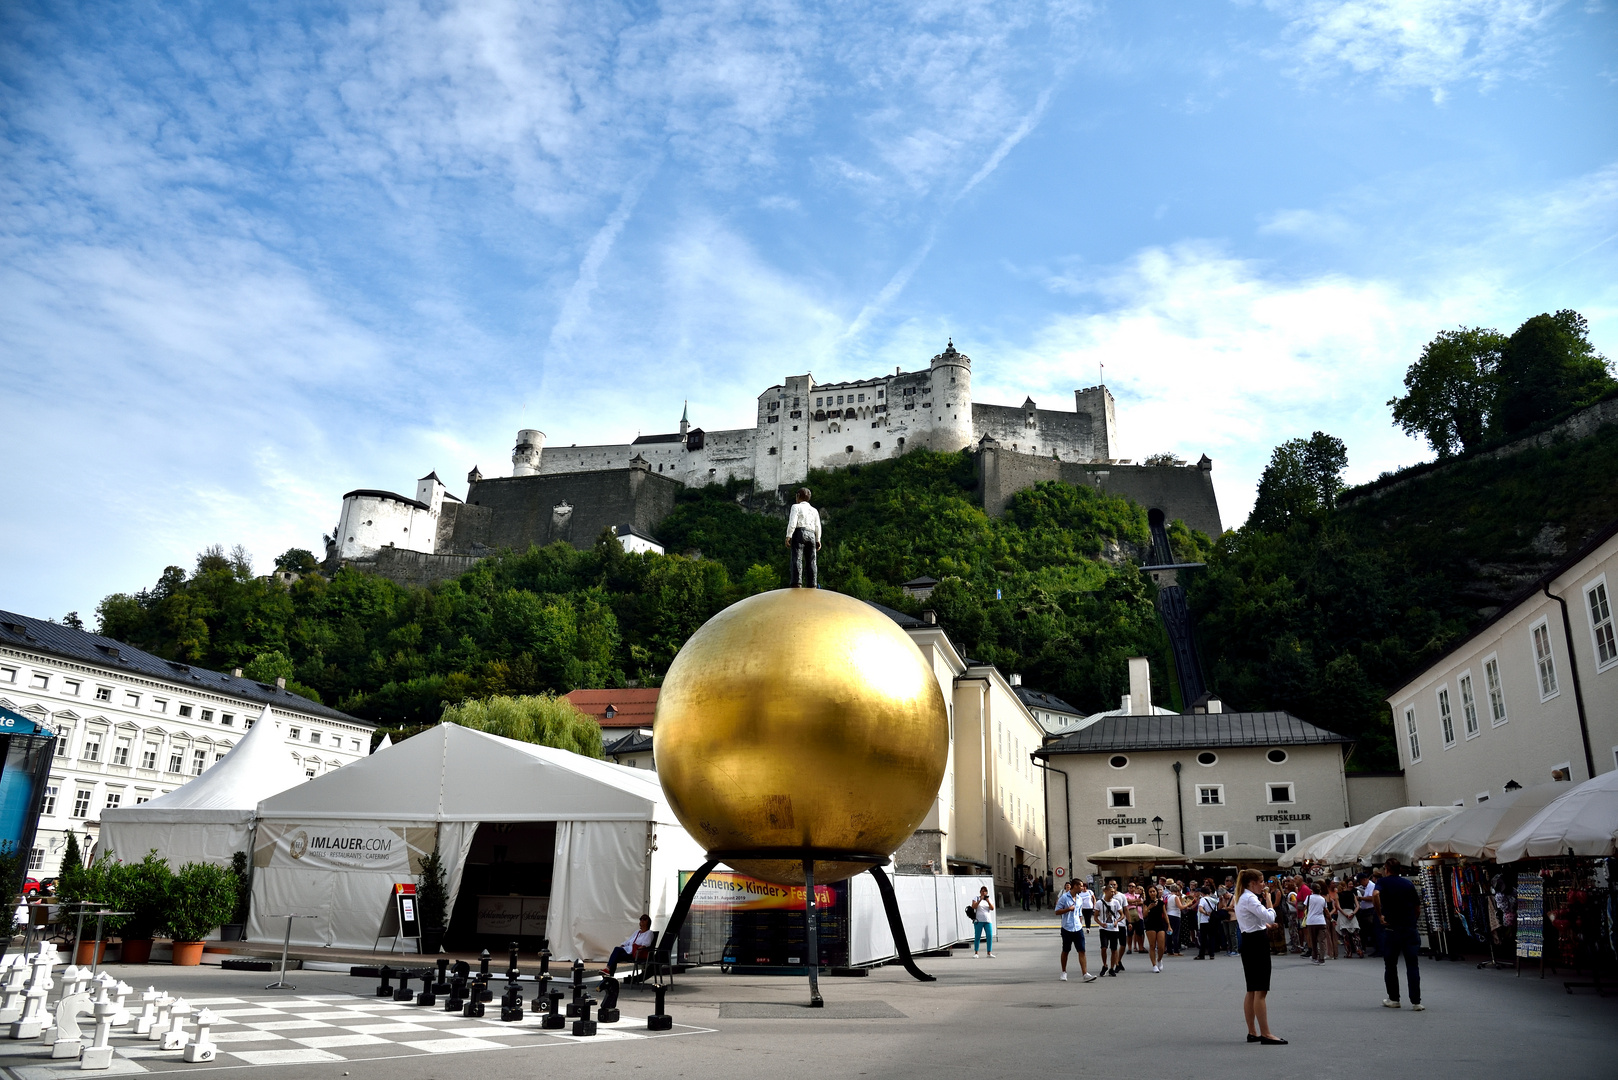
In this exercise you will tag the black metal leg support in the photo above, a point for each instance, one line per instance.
(891, 903)
(811, 918)
(682, 908)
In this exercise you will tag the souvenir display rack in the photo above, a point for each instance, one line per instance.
(1576, 920)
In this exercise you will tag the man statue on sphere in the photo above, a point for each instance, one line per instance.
(803, 537)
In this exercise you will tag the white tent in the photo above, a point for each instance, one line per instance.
(1309, 848)
(1359, 841)
(1478, 830)
(335, 846)
(1583, 821)
(210, 818)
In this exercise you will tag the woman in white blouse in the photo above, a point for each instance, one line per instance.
(1255, 914)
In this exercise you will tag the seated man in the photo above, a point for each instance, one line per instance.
(635, 946)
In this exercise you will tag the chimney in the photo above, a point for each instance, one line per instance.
(280, 682)
(1215, 705)
(930, 617)
(1016, 680)
(235, 672)
(1140, 686)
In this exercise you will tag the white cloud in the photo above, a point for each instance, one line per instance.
(1208, 354)
(1306, 225)
(1427, 44)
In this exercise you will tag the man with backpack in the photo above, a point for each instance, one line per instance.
(1110, 910)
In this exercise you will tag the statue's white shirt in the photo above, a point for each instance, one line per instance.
(805, 517)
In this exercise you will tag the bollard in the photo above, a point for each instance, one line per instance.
(660, 1020)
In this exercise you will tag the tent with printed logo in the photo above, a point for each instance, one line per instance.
(335, 847)
(210, 818)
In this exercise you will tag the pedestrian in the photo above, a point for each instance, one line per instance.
(1171, 905)
(1207, 926)
(1067, 906)
(1134, 903)
(1367, 913)
(1348, 923)
(1019, 888)
(1188, 914)
(1087, 904)
(1304, 892)
(983, 921)
(1314, 922)
(1255, 914)
(1398, 909)
(803, 539)
(1332, 911)
(1110, 910)
(1227, 917)
(1155, 921)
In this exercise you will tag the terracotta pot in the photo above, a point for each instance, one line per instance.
(138, 951)
(89, 953)
(187, 953)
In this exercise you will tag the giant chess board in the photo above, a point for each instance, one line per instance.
(299, 1029)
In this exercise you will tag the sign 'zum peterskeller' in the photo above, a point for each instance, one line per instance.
(1282, 816)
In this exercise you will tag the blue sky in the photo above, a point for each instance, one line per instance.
(256, 255)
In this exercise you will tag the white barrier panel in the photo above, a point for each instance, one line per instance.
(931, 906)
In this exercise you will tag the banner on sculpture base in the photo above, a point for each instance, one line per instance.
(726, 890)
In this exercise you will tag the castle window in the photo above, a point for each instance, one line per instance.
(862, 397)
(819, 402)
(772, 451)
(839, 399)
(876, 446)
(775, 419)
(910, 404)
(876, 423)
(848, 449)
(879, 394)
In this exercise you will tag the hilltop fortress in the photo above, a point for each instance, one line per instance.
(571, 493)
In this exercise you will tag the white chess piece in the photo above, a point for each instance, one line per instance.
(175, 1037)
(32, 1021)
(64, 1038)
(160, 1026)
(15, 985)
(148, 1011)
(120, 994)
(98, 1055)
(203, 1048)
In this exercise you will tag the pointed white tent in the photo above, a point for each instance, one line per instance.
(210, 818)
(335, 846)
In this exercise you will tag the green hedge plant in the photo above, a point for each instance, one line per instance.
(203, 899)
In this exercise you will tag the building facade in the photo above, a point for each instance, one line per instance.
(131, 726)
(1193, 783)
(1530, 696)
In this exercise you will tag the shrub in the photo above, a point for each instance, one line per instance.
(432, 892)
(203, 897)
(143, 888)
(244, 887)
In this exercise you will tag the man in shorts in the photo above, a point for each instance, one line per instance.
(1110, 911)
(1067, 906)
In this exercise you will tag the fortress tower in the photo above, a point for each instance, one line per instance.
(951, 421)
(525, 456)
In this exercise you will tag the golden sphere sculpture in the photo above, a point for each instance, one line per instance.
(800, 719)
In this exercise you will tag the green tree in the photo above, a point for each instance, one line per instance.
(542, 718)
(1548, 367)
(1304, 476)
(1450, 389)
(297, 561)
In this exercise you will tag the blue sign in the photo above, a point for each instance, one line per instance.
(14, 723)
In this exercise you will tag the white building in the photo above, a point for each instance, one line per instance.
(1530, 696)
(373, 519)
(801, 424)
(132, 726)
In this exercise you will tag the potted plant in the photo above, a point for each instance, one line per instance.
(143, 889)
(203, 897)
(236, 928)
(432, 902)
(11, 877)
(84, 885)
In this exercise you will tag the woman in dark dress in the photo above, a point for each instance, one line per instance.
(1156, 920)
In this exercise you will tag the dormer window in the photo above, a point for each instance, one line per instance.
(612, 711)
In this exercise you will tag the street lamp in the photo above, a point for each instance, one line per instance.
(1157, 823)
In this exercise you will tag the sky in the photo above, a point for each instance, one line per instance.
(255, 255)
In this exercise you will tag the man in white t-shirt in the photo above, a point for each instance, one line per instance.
(1207, 929)
(1110, 910)
(1171, 907)
(1087, 904)
(1314, 925)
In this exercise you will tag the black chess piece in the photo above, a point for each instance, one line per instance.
(442, 985)
(553, 1019)
(512, 966)
(386, 989)
(584, 1025)
(427, 997)
(457, 987)
(542, 988)
(660, 1020)
(474, 1005)
(578, 989)
(483, 964)
(511, 1000)
(404, 993)
(544, 958)
(608, 1013)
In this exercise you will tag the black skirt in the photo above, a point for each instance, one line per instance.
(1256, 960)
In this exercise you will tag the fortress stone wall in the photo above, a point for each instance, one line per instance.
(1181, 492)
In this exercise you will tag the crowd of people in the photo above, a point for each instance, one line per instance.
(1250, 916)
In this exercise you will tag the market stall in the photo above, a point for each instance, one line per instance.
(582, 845)
(211, 818)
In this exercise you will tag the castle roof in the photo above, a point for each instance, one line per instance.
(627, 707)
(377, 493)
(673, 436)
(1180, 731)
(54, 639)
